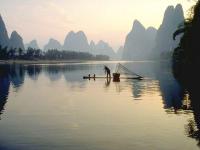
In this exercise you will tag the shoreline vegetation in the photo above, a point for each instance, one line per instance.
(37, 56)
(20, 61)
(4, 62)
(10, 62)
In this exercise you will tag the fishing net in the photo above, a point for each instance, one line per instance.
(125, 71)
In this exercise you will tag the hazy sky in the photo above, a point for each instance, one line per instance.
(108, 20)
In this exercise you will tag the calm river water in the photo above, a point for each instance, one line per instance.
(51, 107)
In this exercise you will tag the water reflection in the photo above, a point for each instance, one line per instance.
(16, 75)
(4, 88)
(137, 89)
(54, 72)
(172, 93)
(33, 71)
(71, 73)
(107, 82)
(176, 99)
(189, 80)
(10, 74)
(192, 128)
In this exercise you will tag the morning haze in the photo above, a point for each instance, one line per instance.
(99, 75)
(99, 19)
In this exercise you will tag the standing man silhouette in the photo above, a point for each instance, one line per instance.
(107, 72)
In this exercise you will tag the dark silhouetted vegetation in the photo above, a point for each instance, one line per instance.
(186, 55)
(186, 63)
(54, 54)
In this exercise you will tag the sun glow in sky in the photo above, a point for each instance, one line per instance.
(108, 20)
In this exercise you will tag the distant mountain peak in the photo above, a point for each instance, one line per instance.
(80, 32)
(1, 19)
(71, 32)
(16, 41)
(137, 24)
(173, 17)
(53, 44)
(76, 42)
(151, 29)
(137, 27)
(32, 44)
(138, 42)
(92, 43)
(101, 42)
(120, 52)
(14, 33)
(52, 40)
(179, 12)
(168, 15)
(4, 39)
(179, 6)
(170, 8)
(102, 48)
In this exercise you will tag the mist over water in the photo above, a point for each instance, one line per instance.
(53, 107)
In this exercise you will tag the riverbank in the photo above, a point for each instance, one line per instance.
(40, 61)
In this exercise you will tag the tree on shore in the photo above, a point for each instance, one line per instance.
(54, 54)
(3, 53)
(186, 56)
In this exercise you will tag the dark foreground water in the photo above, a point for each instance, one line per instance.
(50, 107)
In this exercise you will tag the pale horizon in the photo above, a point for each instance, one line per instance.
(109, 21)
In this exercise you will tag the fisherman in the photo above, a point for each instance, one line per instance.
(107, 72)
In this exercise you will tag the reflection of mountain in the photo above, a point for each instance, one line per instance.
(4, 87)
(16, 75)
(9, 74)
(137, 89)
(74, 73)
(33, 71)
(53, 72)
(157, 73)
(71, 73)
(172, 93)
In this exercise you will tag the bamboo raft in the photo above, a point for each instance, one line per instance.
(116, 76)
(101, 77)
